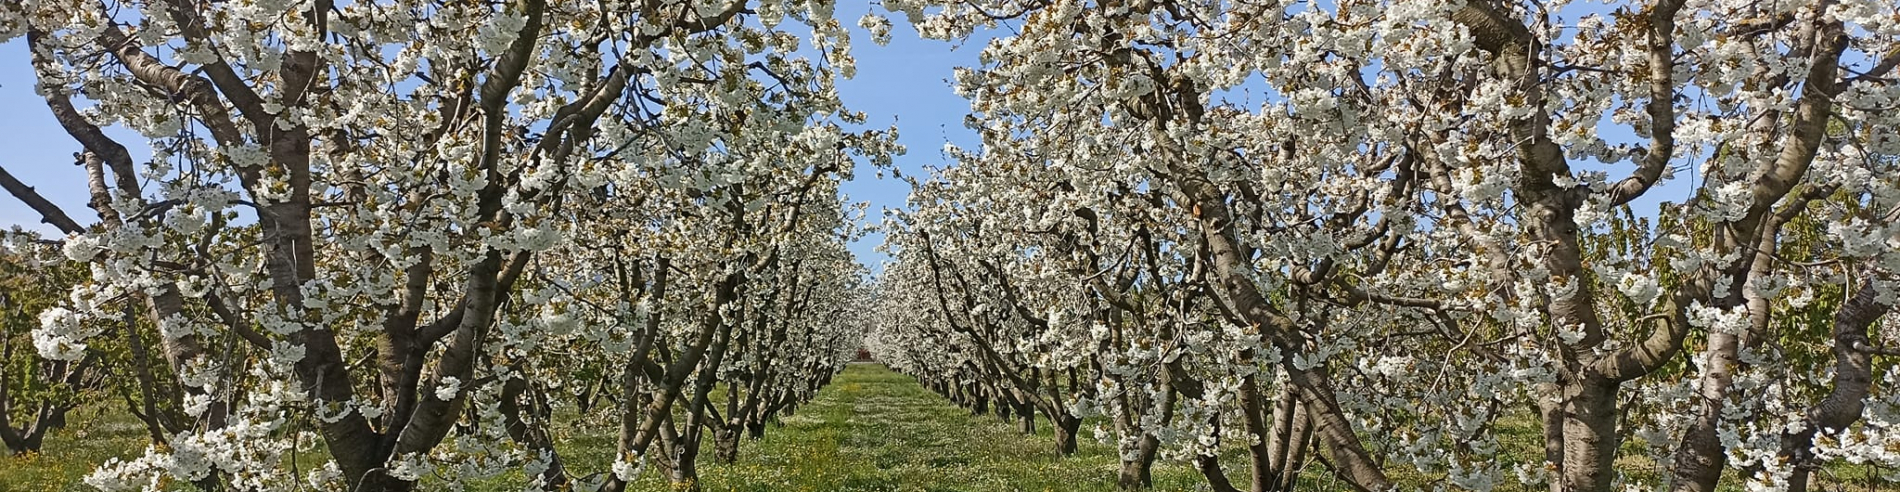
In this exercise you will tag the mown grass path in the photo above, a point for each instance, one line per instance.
(873, 429)
(870, 430)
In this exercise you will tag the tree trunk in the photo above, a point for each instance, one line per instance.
(1138, 472)
(21, 441)
(1701, 456)
(1550, 412)
(1853, 377)
(726, 444)
(1252, 418)
(755, 429)
(1590, 438)
(685, 463)
(1028, 418)
(526, 421)
(1209, 466)
(1290, 451)
(1066, 427)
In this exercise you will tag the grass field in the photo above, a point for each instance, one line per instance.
(877, 430)
(871, 430)
(93, 434)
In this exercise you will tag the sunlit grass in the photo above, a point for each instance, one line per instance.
(877, 430)
(871, 430)
(93, 435)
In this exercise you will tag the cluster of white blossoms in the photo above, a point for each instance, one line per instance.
(1381, 231)
(61, 333)
(423, 230)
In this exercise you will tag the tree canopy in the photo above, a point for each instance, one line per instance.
(413, 235)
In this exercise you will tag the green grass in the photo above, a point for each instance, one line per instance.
(877, 430)
(871, 430)
(93, 435)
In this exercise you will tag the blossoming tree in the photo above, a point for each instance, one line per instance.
(1565, 200)
(36, 394)
(354, 208)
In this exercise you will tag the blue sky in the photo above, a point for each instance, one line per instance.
(908, 77)
(36, 150)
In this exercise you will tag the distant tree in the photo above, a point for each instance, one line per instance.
(36, 394)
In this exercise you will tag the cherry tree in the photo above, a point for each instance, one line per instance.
(36, 394)
(1450, 166)
(348, 202)
(763, 308)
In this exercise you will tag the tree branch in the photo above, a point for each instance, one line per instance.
(49, 213)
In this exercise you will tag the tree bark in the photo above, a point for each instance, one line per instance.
(1853, 379)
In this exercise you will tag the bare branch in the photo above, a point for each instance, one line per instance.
(49, 212)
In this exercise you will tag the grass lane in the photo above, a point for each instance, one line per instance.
(873, 429)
